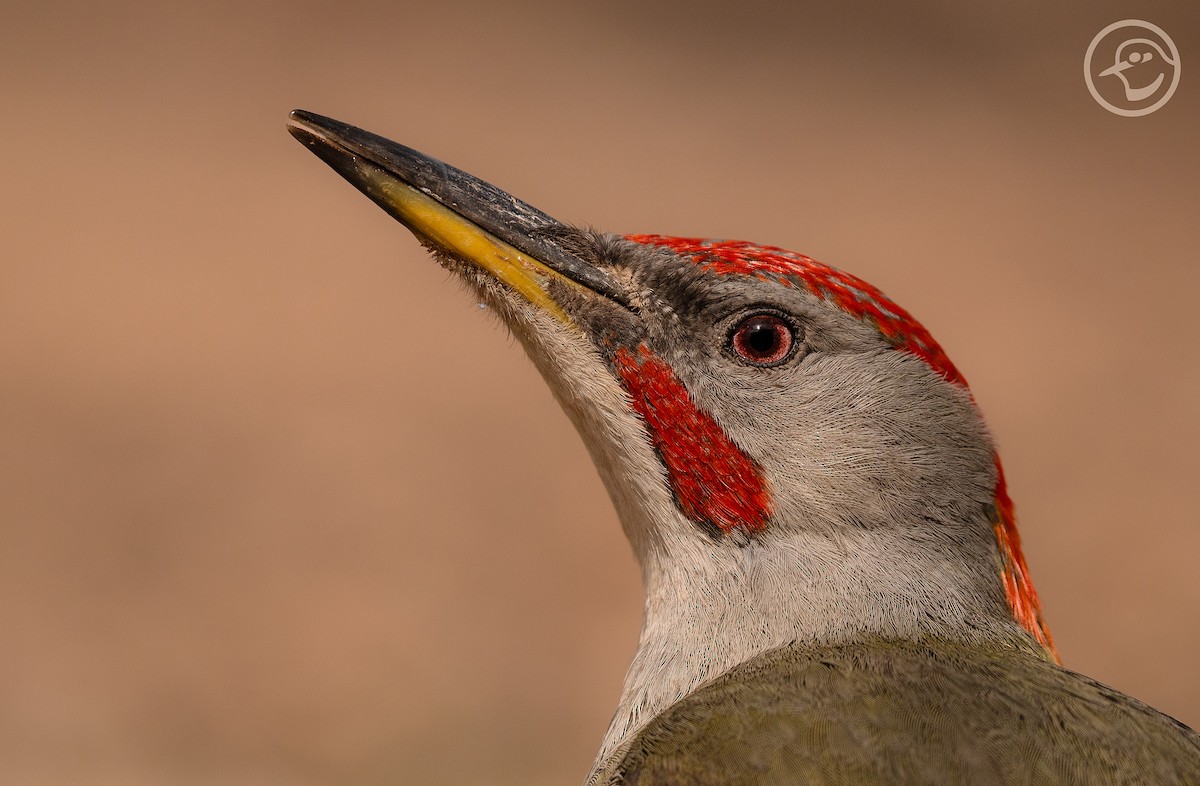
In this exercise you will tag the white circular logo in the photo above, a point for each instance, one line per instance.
(1131, 68)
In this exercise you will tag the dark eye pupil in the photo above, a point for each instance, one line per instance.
(762, 337)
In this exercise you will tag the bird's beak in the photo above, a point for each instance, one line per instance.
(1116, 68)
(455, 212)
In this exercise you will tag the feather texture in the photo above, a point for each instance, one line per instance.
(887, 712)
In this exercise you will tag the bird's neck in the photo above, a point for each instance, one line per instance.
(708, 610)
(714, 604)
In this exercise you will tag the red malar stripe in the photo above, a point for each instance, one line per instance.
(714, 481)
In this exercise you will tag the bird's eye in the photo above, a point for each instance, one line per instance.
(763, 339)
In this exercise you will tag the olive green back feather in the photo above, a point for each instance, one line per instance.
(906, 712)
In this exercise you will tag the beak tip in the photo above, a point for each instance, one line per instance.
(300, 126)
(310, 128)
(304, 117)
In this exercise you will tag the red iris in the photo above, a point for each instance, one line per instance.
(763, 339)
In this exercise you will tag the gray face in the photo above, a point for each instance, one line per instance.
(848, 430)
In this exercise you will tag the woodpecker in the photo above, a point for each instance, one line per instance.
(835, 590)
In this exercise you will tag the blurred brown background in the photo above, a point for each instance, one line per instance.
(279, 505)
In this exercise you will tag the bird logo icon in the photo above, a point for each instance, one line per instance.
(1135, 52)
(1147, 68)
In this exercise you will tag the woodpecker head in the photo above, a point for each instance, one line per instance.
(790, 452)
